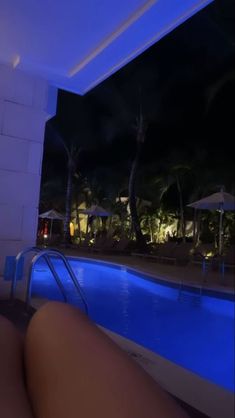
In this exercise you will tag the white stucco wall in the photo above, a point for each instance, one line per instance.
(26, 102)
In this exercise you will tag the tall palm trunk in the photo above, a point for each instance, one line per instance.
(198, 229)
(150, 228)
(68, 201)
(72, 152)
(182, 220)
(141, 243)
(78, 223)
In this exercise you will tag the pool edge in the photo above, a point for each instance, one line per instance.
(160, 279)
(211, 400)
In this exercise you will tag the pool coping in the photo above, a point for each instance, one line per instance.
(205, 396)
(175, 283)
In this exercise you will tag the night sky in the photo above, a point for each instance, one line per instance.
(185, 85)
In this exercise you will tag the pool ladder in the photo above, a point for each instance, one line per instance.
(46, 255)
(187, 296)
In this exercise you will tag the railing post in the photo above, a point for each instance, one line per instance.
(17, 260)
(46, 254)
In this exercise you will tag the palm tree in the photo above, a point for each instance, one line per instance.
(72, 156)
(140, 138)
(72, 150)
(179, 171)
(173, 177)
(81, 194)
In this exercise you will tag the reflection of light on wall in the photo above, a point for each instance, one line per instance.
(189, 227)
(71, 227)
(76, 216)
(112, 37)
(170, 229)
(166, 231)
(15, 61)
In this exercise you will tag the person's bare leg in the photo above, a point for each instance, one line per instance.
(74, 370)
(13, 398)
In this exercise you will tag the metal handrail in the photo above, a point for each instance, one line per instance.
(54, 274)
(46, 254)
(17, 260)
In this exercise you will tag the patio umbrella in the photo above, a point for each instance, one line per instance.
(52, 215)
(221, 201)
(95, 210)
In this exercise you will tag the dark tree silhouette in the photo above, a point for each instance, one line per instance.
(140, 139)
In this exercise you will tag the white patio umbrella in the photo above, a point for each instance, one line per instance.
(221, 201)
(52, 215)
(94, 210)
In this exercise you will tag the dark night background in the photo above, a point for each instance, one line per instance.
(185, 85)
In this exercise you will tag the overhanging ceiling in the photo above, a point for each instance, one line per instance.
(76, 44)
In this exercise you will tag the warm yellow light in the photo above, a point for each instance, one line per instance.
(209, 254)
(71, 227)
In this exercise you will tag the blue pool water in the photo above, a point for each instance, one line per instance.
(195, 333)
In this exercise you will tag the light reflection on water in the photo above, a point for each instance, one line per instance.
(199, 337)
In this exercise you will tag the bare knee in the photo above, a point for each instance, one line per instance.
(66, 352)
(49, 326)
(55, 310)
(52, 317)
(50, 352)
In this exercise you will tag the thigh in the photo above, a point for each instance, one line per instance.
(13, 397)
(74, 370)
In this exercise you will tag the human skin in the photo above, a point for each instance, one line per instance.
(14, 402)
(75, 370)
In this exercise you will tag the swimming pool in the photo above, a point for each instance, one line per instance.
(195, 332)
